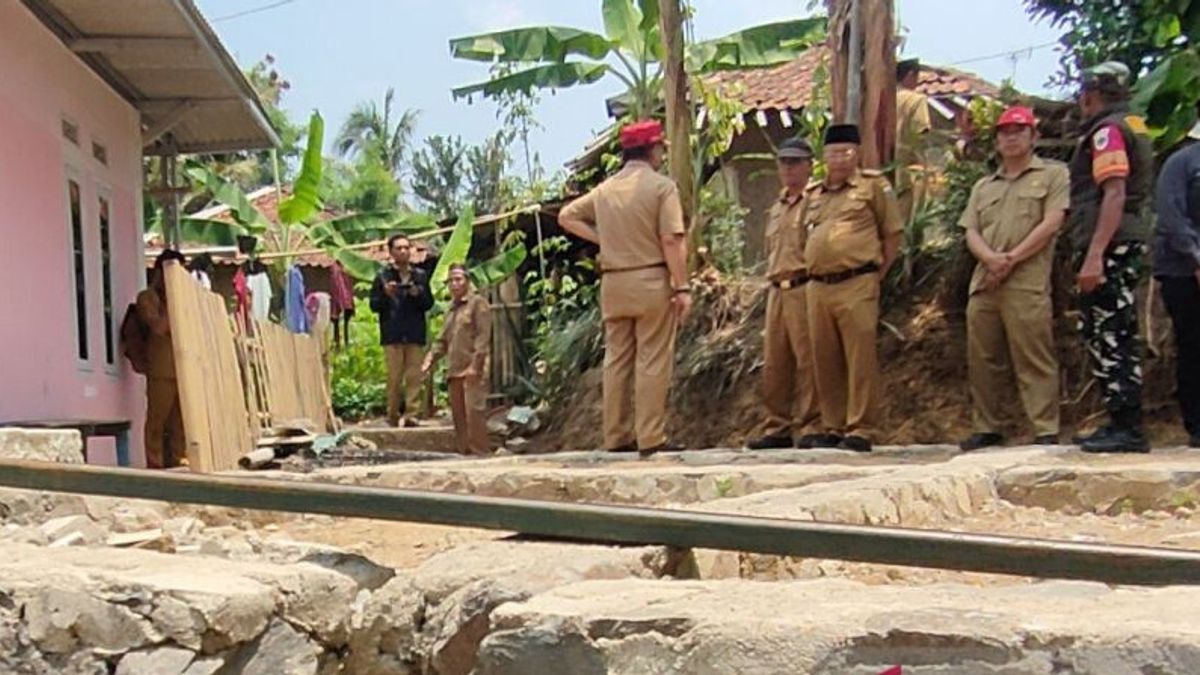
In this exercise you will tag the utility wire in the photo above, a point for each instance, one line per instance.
(253, 10)
(1006, 54)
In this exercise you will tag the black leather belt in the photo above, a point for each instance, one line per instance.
(634, 269)
(794, 282)
(839, 277)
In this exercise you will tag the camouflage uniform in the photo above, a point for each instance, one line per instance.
(1110, 327)
(1116, 145)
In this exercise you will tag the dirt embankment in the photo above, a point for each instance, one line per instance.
(716, 395)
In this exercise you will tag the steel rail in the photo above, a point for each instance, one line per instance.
(631, 525)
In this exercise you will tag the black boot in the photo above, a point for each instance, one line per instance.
(980, 441)
(1122, 439)
(855, 443)
(1046, 439)
(770, 442)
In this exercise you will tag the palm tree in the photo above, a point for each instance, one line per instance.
(370, 130)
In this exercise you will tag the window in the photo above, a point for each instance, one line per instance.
(100, 153)
(110, 347)
(77, 259)
(70, 131)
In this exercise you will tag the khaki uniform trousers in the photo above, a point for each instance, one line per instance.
(639, 354)
(1011, 332)
(789, 383)
(404, 380)
(843, 319)
(468, 407)
(164, 438)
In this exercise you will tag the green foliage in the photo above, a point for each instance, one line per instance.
(365, 185)
(371, 131)
(630, 51)
(437, 174)
(305, 200)
(359, 370)
(723, 222)
(1157, 39)
(563, 309)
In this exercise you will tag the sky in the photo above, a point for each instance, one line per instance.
(336, 53)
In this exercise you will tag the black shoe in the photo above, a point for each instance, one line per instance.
(980, 441)
(665, 447)
(1117, 440)
(770, 442)
(855, 443)
(812, 441)
(1046, 439)
(628, 447)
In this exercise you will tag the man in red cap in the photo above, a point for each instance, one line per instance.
(637, 220)
(1012, 221)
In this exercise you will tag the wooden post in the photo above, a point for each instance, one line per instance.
(862, 41)
(679, 111)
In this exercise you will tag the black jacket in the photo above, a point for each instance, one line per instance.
(402, 318)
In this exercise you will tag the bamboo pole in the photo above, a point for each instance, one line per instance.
(631, 525)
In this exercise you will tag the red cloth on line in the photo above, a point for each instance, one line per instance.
(341, 292)
(241, 291)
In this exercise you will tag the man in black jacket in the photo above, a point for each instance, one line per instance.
(401, 296)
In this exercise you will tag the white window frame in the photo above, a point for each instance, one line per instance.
(104, 192)
(73, 175)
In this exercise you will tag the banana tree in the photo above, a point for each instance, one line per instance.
(298, 223)
(630, 50)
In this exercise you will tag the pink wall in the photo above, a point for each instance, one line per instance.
(40, 373)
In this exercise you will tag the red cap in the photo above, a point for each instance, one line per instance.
(638, 134)
(1017, 115)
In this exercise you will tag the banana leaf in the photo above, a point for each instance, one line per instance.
(499, 268)
(360, 228)
(758, 46)
(357, 265)
(230, 195)
(455, 251)
(531, 45)
(305, 201)
(551, 76)
(623, 23)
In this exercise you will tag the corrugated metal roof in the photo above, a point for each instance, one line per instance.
(162, 57)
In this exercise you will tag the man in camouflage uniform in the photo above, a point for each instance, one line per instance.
(1112, 174)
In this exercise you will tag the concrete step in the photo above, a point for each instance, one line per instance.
(436, 437)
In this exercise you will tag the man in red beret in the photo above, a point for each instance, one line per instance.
(637, 220)
(1012, 220)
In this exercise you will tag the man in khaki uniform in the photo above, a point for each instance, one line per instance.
(789, 386)
(853, 234)
(466, 341)
(637, 219)
(912, 128)
(164, 419)
(1012, 221)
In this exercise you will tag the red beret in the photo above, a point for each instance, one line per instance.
(638, 134)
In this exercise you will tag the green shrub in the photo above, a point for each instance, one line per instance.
(360, 369)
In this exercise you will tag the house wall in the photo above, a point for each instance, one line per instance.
(43, 377)
(758, 185)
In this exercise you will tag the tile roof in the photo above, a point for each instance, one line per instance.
(788, 86)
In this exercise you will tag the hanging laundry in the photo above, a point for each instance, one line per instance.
(294, 313)
(341, 304)
(241, 292)
(202, 277)
(260, 294)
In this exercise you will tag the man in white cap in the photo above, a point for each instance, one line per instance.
(1177, 268)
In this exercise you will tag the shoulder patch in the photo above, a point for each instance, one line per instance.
(1137, 124)
(1102, 138)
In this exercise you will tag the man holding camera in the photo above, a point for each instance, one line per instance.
(400, 296)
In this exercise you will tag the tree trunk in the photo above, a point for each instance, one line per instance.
(874, 99)
(679, 112)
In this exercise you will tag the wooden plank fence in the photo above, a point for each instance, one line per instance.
(240, 384)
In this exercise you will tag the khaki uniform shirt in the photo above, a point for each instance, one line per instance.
(785, 237)
(912, 120)
(847, 226)
(1005, 210)
(466, 338)
(630, 211)
(161, 358)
